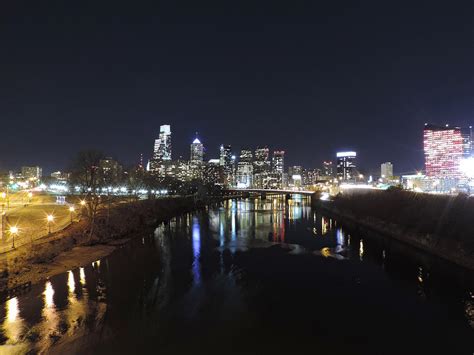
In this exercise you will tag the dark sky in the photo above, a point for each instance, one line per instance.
(308, 77)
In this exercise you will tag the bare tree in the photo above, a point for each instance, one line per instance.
(86, 173)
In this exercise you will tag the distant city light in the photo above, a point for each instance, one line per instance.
(346, 154)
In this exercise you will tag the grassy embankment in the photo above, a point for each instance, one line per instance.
(38, 260)
(440, 224)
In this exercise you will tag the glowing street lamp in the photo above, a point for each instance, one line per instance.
(13, 232)
(83, 203)
(71, 211)
(49, 219)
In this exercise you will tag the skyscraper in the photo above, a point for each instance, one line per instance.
(346, 165)
(278, 169)
(227, 163)
(445, 148)
(245, 169)
(162, 149)
(328, 168)
(197, 151)
(386, 170)
(261, 167)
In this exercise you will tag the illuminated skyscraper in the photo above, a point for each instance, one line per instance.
(444, 148)
(162, 149)
(278, 169)
(346, 165)
(227, 163)
(197, 151)
(245, 169)
(261, 167)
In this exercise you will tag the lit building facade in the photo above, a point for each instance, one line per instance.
(386, 170)
(227, 163)
(261, 167)
(244, 176)
(31, 172)
(346, 165)
(197, 151)
(445, 148)
(278, 169)
(161, 150)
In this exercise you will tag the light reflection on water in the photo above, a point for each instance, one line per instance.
(171, 266)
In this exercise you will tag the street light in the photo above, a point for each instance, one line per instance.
(49, 219)
(13, 232)
(71, 210)
(30, 195)
(83, 203)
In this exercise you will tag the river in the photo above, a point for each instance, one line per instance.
(245, 277)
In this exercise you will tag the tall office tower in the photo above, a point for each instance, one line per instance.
(162, 149)
(227, 164)
(278, 169)
(328, 168)
(245, 169)
(261, 167)
(386, 170)
(213, 172)
(163, 144)
(346, 167)
(197, 151)
(445, 148)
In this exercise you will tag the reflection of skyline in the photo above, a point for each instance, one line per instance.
(196, 235)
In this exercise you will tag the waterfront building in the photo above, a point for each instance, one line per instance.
(295, 176)
(445, 148)
(261, 167)
(346, 165)
(244, 176)
(213, 172)
(278, 168)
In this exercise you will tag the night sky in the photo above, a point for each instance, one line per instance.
(308, 77)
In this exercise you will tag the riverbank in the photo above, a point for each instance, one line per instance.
(76, 246)
(439, 225)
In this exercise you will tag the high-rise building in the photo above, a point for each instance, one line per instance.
(445, 148)
(161, 150)
(213, 172)
(261, 167)
(244, 174)
(227, 164)
(346, 166)
(31, 172)
(197, 151)
(386, 170)
(278, 169)
(110, 171)
(328, 168)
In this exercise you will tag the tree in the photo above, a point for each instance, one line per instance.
(86, 174)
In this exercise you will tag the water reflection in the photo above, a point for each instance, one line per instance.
(203, 274)
(196, 251)
(13, 324)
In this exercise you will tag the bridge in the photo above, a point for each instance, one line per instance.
(273, 191)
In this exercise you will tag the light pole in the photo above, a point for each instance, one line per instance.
(13, 232)
(49, 219)
(71, 210)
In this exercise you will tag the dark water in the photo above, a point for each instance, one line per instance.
(250, 277)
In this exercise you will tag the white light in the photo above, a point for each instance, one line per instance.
(467, 167)
(346, 154)
(324, 196)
